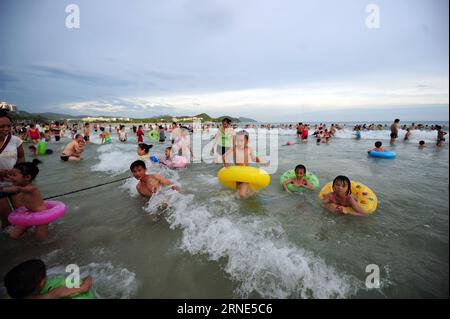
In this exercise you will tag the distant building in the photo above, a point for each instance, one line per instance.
(7, 106)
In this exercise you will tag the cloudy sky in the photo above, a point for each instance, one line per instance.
(271, 60)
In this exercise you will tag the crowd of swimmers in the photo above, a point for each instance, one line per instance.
(17, 180)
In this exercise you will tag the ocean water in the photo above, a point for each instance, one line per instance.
(209, 244)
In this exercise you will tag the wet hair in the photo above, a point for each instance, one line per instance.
(378, 144)
(78, 135)
(29, 168)
(145, 147)
(421, 142)
(169, 148)
(226, 120)
(397, 120)
(243, 133)
(161, 127)
(137, 163)
(4, 113)
(102, 129)
(344, 180)
(298, 167)
(24, 280)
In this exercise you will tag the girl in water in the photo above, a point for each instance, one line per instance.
(342, 197)
(143, 152)
(26, 194)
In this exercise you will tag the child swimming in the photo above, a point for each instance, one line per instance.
(26, 194)
(377, 148)
(173, 161)
(149, 184)
(106, 139)
(142, 152)
(299, 180)
(241, 153)
(422, 145)
(28, 279)
(342, 197)
(41, 147)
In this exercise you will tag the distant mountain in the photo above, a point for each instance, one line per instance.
(246, 119)
(50, 116)
(58, 116)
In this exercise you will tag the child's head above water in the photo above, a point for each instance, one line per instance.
(144, 148)
(300, 169)
(26, 280)
(138, 169)
(422, 143)
(378, 144)
(168, 151)
(342, 183)
(25, 172)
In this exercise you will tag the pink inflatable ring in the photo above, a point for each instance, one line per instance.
(25, 218)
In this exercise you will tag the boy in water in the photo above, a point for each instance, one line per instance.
(28, 279)
(421, 145)
(149, 184)
(377, 148)
(241, 153)
(26, 194)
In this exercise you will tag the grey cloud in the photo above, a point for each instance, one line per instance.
(63, 72)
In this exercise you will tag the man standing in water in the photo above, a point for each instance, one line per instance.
(73, 150)
(394, 131)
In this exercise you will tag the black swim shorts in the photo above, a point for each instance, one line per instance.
(65, 158)
(222, 149)
(394, 135)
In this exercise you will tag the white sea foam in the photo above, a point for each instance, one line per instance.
(256, 253)
(115, 159)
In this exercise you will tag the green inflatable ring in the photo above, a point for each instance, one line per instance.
(310, 177)
(60, 281)
(153, 135)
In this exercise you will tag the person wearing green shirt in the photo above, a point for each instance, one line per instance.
(225, 139)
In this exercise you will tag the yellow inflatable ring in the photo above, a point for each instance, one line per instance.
(366, 197)
(256, 177)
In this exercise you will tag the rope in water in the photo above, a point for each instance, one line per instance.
(87, 188)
